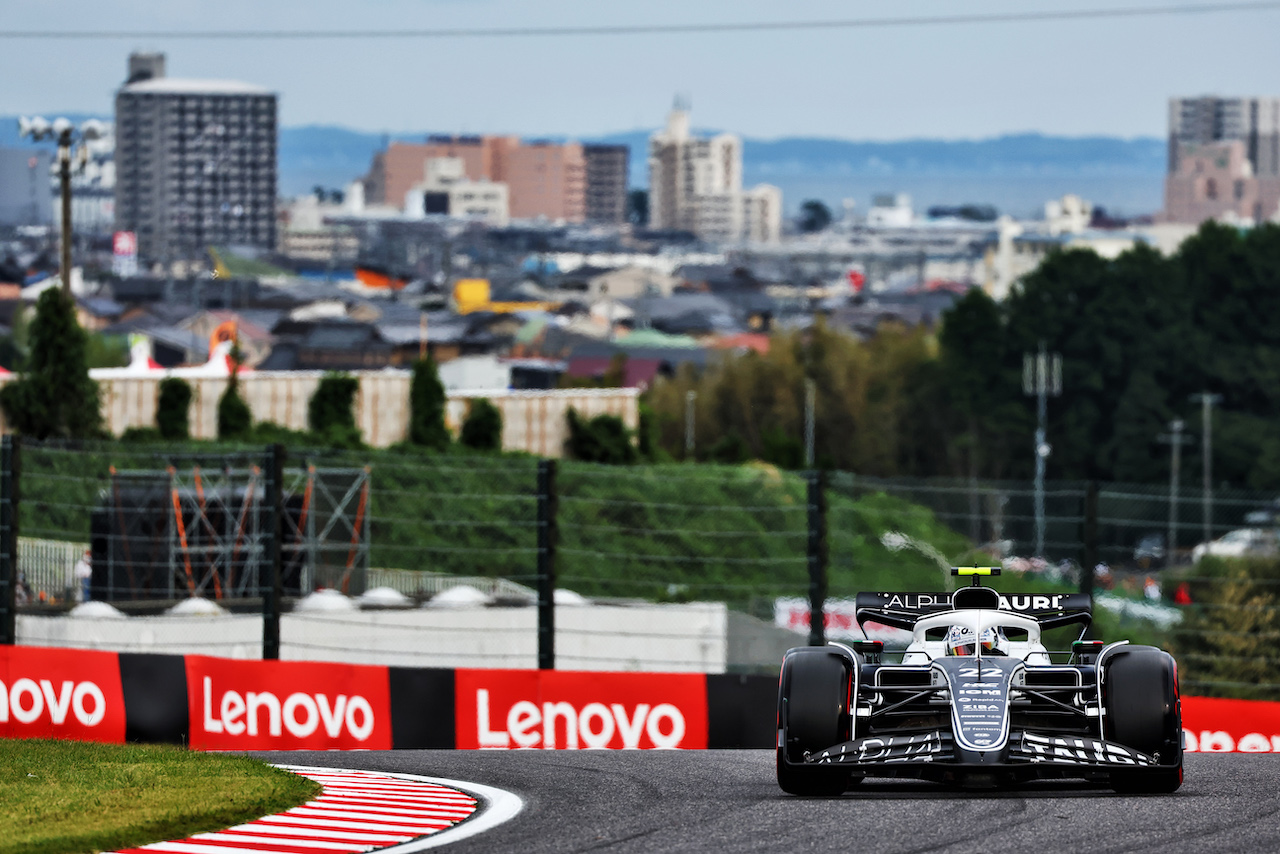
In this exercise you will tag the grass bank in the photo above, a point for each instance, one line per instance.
(65, 797)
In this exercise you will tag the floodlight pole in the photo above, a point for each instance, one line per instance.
(65, 133)
(1041, 376)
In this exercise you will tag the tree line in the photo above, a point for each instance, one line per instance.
(1140, 337)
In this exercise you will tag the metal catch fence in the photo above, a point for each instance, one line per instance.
(459, 560)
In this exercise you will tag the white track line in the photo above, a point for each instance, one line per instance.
(360, 811)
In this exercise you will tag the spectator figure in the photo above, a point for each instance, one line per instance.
(1182, 596)
(83, 573)
(1151, 589)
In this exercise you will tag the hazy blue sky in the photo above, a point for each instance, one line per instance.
(1110, 76)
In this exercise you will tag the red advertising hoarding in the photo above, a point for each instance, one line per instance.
(552, 709)
(60, 693)
(287, 705)
(1214, 725)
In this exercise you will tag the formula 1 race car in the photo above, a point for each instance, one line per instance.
(976, 699)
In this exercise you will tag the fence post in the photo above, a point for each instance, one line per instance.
(817, 553)
(1089, 537)
(270, 584)
(548, 533)
(10, 469)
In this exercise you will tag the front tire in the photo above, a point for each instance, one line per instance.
(813, 714)
(1143, 712)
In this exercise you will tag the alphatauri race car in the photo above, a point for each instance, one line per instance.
(977, 700)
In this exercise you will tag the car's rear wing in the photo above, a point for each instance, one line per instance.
(902, 610)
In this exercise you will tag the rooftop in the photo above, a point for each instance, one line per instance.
(180, 86)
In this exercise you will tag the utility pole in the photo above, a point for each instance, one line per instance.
(1175, 440)
(1042, 377)
(1207, 401)
(810, 401)
(689, 397)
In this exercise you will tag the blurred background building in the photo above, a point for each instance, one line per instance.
(195, 162)
(25, 195)
(544, 180)
(1224, 159)
(695, 184)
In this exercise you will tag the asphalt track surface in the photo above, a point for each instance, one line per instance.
(728, 801)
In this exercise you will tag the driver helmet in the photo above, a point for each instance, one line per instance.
(962, 640)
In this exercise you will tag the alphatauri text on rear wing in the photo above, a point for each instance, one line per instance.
(902, 610)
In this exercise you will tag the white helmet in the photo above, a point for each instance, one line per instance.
(962, 640)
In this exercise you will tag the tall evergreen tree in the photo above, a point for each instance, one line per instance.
(55, 395)
(427, 407)
(235, 421)
(173, 407)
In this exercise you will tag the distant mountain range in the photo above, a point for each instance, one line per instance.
(1016, 172)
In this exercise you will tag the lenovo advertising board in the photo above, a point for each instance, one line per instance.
(287, 705)
(60, 693)
(1214, 725)
(552, 709)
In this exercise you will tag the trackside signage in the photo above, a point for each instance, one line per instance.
(557, 709)
(287, 705)
(60, 693)
(1212, 725)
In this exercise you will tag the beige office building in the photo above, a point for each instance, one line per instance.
(696, 185)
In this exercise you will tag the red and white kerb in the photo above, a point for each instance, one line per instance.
(356, 811)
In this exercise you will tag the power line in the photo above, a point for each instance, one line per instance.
(655, 29)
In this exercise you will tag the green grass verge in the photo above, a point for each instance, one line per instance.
(67, 797)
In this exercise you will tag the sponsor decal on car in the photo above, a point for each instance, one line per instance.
(980, 699)
(60, 693)
(917, 747)
(287, 705)
(557, 709)
(1075, 750)
(925, 603)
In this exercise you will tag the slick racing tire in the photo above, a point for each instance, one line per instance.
(813, 714)
(1143, 713)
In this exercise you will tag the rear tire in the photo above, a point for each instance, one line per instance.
(1143, 712)
(813, 714)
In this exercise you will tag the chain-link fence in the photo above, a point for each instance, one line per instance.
(420, 558)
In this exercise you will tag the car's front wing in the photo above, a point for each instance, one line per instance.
(1023, 749)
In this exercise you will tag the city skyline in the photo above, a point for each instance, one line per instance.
(1108, 76)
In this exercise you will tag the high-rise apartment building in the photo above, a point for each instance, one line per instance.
(1224, 159)
(607, 178)
(1253, 121)
(195, 162)
(544, 179)
(695, 185)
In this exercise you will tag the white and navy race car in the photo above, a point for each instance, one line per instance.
(977, 700)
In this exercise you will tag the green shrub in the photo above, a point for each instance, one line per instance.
(330, 413)
(603, 439)
(141, 435)
(172, 409)
(482, 428)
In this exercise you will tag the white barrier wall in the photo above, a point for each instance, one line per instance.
(680, 638)
(533, 421)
